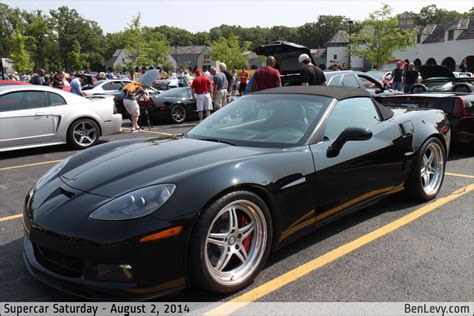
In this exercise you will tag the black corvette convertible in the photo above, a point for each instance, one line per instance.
(140, 218)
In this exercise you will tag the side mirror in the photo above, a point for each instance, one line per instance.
(350, 133)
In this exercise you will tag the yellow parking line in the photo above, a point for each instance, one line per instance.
(293, 275)
(459, 175)
(31, 165)
(2, 219)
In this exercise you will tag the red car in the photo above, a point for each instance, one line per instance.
(9, 82)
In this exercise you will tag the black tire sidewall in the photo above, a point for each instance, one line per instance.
(199, 276)
(70, 133)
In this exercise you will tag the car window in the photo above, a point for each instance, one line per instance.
(350, 81)
(353, 112)
(335, 80)
(55, 99)
(112, 86)
(23, 100)
(176, 93)
(267, 120)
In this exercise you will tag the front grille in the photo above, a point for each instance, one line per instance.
(59, 263)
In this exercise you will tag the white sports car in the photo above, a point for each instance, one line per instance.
(106, 86)
(35, 116)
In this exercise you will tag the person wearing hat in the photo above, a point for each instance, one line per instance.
(201, 91)
(311, 75)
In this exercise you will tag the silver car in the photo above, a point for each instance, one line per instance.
(106, 87)
(34, 116)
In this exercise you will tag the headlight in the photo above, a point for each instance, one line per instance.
(134, 204)
(51, 172)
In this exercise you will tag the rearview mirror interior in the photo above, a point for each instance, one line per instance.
(350, 133)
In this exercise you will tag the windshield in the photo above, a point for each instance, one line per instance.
(377, 74)
(264, 120)
(177, 92)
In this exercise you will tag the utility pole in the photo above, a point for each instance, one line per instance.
(350, 43)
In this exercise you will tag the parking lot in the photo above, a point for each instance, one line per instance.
(392, 251)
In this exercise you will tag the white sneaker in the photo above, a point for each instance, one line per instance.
(135, 130)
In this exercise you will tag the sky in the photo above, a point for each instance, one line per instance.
(196, 16)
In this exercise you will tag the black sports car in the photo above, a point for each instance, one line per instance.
(140, 218)
(437, 78)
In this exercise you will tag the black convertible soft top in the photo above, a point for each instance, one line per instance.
(338, 93)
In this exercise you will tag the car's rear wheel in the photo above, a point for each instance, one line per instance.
(427, 175)
(230, 243)
(83, 133)
(418, 88)
(178, 113)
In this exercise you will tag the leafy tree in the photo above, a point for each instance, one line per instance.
(19, 55)
(380, 37)
(433, 15)
(136, 43)
(77, 58)
(231, 51)
(40, 38)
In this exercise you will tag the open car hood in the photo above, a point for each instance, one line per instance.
(286, 54)
(149, 77)
(435, 71)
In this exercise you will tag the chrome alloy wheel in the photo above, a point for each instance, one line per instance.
(432, 168)
(178, 113)
(85, 133)
(235, 242)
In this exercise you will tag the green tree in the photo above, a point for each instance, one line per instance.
(19, 55)
(41, 39)
(231, 51)
(380, 37)
(135, 44)
(77, 58)
(432, 15)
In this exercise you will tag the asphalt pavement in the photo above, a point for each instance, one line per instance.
(427, 259)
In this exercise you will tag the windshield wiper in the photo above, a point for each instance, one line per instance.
(218, 140)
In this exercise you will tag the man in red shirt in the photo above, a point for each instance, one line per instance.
(201, 88)
(244, 77)
(267, 77)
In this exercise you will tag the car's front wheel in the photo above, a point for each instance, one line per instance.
(230, 243)
(427, 175)
(83, 133)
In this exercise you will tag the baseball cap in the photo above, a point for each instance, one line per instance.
(303, 57)
(198, 71)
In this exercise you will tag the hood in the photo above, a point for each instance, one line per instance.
(149, 77)
(435, 71)
(147, 162)
(286, 54)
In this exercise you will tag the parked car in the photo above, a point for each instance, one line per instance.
(13, 82)
(166, 84)
(139, 218)
(357, 79)
(439, 78)
(35, 116)
(458, 107)
(175, 105)
(384, 77)
(106, 87)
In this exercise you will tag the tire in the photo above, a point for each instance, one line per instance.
(231, 258)
(424, 184)
(178, 113)
(461, 88)
(83, 133)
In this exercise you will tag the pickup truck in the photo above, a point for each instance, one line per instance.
(459, 108)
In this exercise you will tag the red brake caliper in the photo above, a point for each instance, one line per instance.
(243, 221)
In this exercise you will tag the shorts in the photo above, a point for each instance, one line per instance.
(132, 107)
(220, 99)
(203, 102)
(242, 87)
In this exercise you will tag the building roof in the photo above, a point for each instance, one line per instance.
(110, 63)
(188, 50)
(407, 15)
(341, 37)
(318, 52)
(438, 33)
